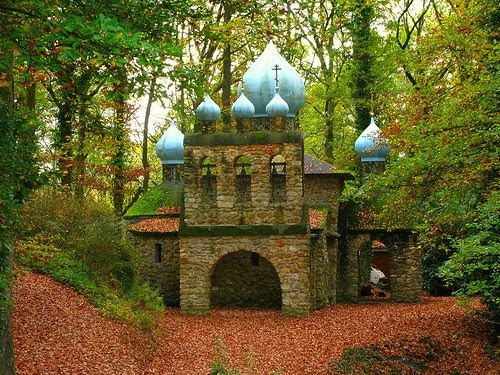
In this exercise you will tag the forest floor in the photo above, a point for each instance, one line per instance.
(56, 331)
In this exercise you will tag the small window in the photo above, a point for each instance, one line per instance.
(278, 179)
(209, 180)
(255, 259)
(158, 251)
(243, 179)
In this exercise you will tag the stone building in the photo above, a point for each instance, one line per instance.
(244, 218)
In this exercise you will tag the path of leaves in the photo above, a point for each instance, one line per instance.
(56, 331)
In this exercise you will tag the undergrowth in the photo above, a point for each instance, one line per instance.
(82, 244)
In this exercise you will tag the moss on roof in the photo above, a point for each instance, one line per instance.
(165, 195)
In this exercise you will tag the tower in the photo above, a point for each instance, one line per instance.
(243, 197)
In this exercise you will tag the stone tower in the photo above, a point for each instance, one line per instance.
(243, 202)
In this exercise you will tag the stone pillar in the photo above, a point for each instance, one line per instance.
(406, 267)
(348, 270)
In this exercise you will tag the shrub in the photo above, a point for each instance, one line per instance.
(82, 244)
(474, 269)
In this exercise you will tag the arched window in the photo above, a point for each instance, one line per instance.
(243, 179)
(209, 180)
(278, 179)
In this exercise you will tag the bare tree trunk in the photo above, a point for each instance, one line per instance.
(145, 131)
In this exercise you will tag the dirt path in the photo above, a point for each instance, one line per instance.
(56, 331)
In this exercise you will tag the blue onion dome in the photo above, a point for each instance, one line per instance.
(259, 82)
(242, 107)
(277, 106)
(170, 147)
(208, 110)
(370, 145)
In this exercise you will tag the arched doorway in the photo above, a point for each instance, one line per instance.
(373, 270)
(245, 279)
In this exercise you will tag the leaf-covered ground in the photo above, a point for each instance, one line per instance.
(56, 331)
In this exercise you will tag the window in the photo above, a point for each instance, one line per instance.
(157, 254)
(243, 179)
(278, 179)
(209, 180)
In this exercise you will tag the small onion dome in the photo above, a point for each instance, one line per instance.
(370, 146)
(170, 147)
(242, 107)
(277, 106)
(208, 110)
(259, 82)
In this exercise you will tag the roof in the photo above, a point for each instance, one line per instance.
(166, 195)
(316, 166)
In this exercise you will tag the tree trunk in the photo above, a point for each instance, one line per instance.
(362, 75)
(118, 161)
(145, 131)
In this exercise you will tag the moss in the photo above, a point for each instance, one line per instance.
(164, 195)
(242, 230)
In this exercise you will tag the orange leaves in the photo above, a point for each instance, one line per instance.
(56, 331)
(161, 225)
(317, 218)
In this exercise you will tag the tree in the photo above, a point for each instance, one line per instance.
(445, 133)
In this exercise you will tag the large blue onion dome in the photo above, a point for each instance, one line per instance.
(370, 145)
(242, 107)
(170, 147)
(259, 82)
(208, 110)
(277, 106)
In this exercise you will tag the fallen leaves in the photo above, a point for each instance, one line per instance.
(160, 225)
(56, 331)
(317, 218)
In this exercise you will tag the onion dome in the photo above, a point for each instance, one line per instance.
(208, 110)
(170, 147)
(259, 82)
(242, 107)
(370, 145)
(277, 106)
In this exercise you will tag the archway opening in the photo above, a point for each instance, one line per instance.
(245, 279)
(374, 271)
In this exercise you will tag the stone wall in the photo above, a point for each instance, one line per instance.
(288, 254)
(163, 276)
(405, 260)
(324, 189)
(245, 279)
(323, 266)
(225, 210)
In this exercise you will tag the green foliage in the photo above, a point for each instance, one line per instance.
(474, 270)
(82, 244)
(395, 357)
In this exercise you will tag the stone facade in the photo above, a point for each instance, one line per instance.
(405, 260)
(159, 263)
(288, 255)
(260, 209)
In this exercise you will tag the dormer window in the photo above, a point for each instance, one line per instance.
(243, 179)
(278, 179)
(209, 180)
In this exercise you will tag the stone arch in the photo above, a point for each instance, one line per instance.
(244, 279)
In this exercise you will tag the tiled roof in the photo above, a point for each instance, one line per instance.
(316, 166)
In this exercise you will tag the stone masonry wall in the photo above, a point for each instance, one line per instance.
(163, 276)
(289, 254)
(405, 259)
(245, 279)
(323, 189)
(226, 210)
